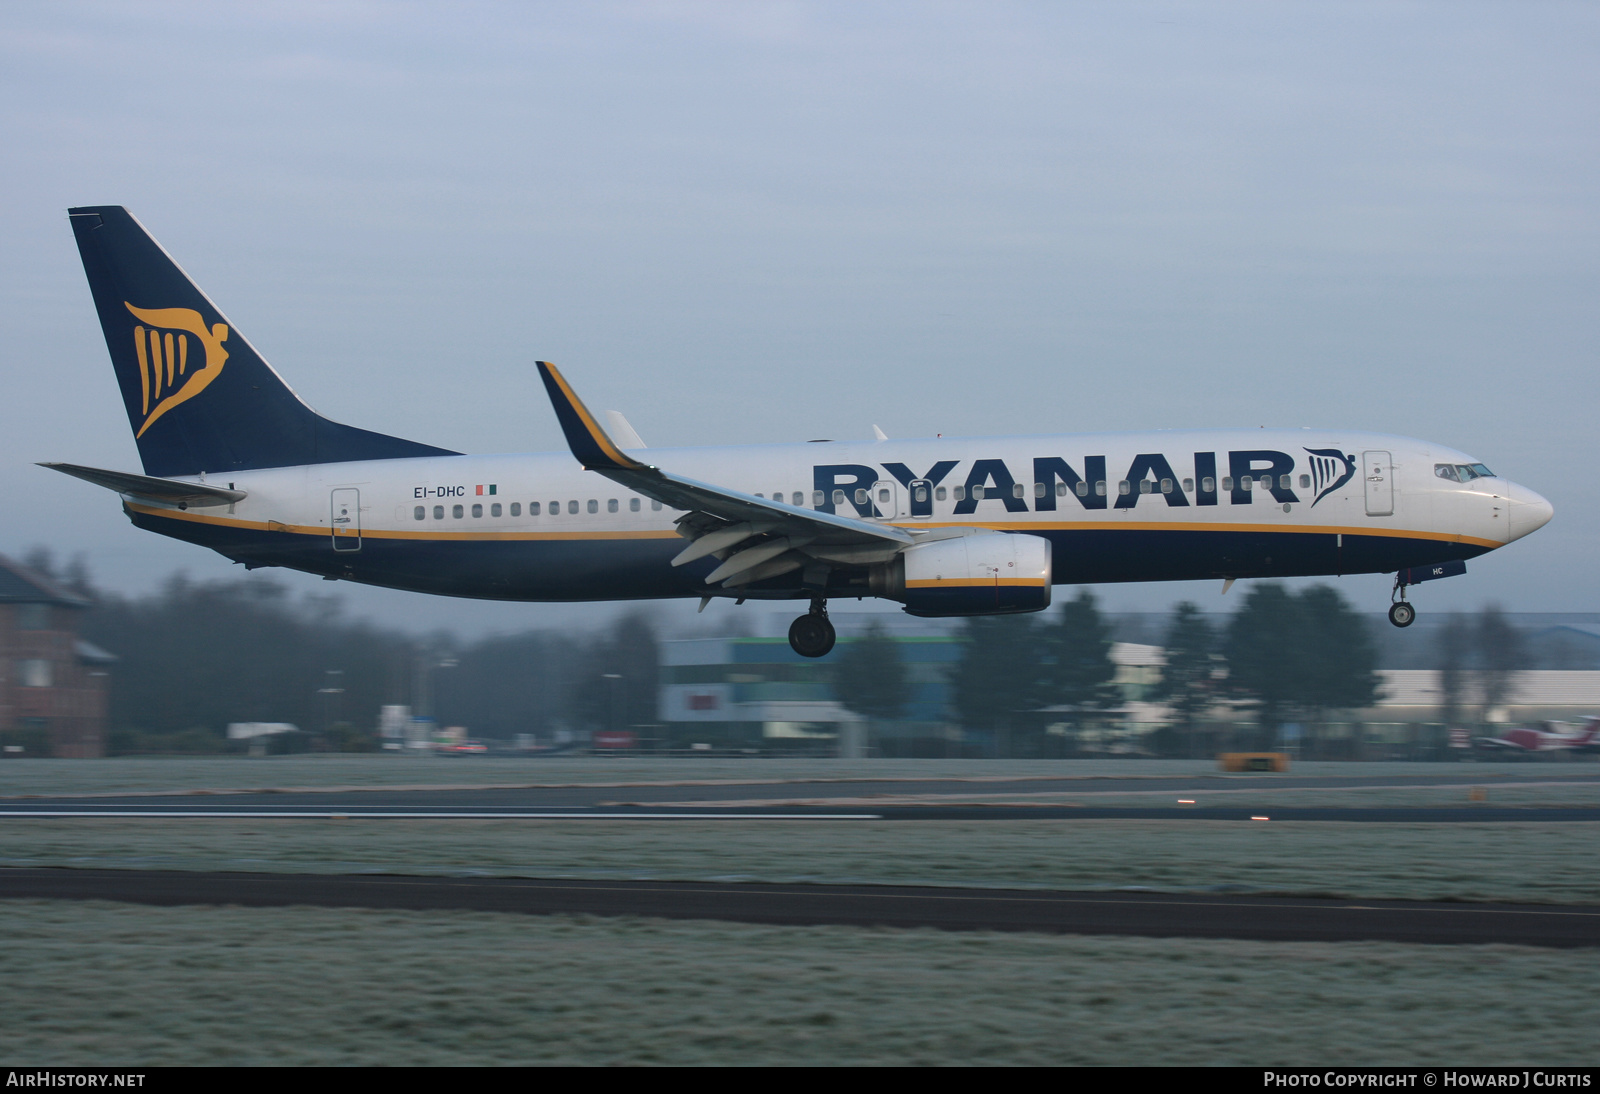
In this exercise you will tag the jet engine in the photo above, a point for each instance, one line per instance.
(994, 573)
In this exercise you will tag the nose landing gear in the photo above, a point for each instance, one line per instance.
(1401, 614)
(812, 635)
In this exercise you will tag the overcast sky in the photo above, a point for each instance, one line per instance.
(745, 222)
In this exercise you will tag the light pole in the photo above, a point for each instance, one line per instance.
(332, 687)
(614, 677)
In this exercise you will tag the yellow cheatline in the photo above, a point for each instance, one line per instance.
(975, 582)
(1111, 525)
(383, 533)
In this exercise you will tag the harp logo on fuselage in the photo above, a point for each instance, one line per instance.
(166, 377)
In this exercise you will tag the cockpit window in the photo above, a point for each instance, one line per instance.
(1481, 471)
(1446, 471)
(1462, 472)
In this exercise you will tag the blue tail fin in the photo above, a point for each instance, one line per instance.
(199, 397)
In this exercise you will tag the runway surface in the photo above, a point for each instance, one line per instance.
(1219, 798)
(1214, 797)
(1259, 918)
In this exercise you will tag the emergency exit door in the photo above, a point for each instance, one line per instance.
(886, 499)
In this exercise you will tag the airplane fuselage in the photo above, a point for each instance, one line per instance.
(1115, 507)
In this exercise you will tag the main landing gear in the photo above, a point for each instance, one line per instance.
(812, 634)
(1401, 614)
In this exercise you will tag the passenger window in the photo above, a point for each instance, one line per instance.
(938, 493)
(861, 496)
(921, 495)
(572, 508)
(533, 508)
(883, 496)
(1083, 488)
(656, 505)
(1061, 489)
(516, 508)
(977, 493)
(457, 511)
(594, 506)
(494, 510)
(1305, 482)
(611, 505)
(633, 505)
(1146, 486)
(1124, 487)
(1188, 486)
(1100, 488)
(816, 497)
(1283, 482)
(1247, 483)
(1209, 485)
(438, 512)
(419, 512)
(797, 498)
(477, 510)
(1227, 482)
(1016, 490)
(838, 497)
(1166, 486)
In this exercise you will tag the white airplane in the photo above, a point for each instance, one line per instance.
(1546, 737)
(234, 461)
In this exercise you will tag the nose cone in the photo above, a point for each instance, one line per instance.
(1529, 511)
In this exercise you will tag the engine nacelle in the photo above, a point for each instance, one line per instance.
(990, 574)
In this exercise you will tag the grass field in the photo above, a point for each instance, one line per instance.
(1552, 863)
(110, 984)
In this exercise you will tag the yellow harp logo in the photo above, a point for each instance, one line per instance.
(163, 349)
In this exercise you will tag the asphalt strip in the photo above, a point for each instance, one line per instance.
(1165, 915)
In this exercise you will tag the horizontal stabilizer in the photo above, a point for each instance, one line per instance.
(168, 491)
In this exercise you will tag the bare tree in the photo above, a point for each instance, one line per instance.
(1455, 643)
(1500, 655)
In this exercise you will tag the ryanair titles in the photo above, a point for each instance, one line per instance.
(1056, 483)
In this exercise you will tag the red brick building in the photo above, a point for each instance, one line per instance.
(53, 685)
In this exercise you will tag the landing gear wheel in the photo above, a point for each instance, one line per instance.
(1402, 614)
(811, 635)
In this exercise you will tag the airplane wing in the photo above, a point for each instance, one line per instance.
(755, 537)
(168, 491)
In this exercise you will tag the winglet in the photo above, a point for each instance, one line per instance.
(589, 442)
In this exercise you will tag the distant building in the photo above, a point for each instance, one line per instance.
(53, 685)
(1412, 695)
(757, 693)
